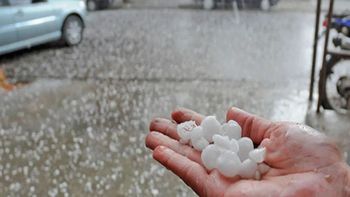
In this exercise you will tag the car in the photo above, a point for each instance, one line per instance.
(262, 4)
(98, 4)
(26, 23)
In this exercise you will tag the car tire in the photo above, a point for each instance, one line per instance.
(208, 4)
(72, 30)
(326, 104)
(91, 5)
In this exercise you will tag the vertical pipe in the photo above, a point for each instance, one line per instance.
(323, 73)
(314, 55)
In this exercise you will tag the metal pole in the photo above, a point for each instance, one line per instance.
(314, 55)
(325, 52)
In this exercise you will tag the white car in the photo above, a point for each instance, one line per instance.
(262, 4)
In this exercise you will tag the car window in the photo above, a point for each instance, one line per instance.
(19, 2)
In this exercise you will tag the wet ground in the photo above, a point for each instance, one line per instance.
(78, 128)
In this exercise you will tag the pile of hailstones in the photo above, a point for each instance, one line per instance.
(223, 148)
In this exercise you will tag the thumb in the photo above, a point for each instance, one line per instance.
(254, 127)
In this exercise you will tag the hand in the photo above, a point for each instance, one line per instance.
(303, 161)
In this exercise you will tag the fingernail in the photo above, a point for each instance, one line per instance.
(165, 149)
(154, 123)
(161, 148)
(156, 120)
(154, 133)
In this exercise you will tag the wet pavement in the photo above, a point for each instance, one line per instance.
(78, 128)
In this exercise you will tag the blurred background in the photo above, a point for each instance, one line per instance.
(78, 88)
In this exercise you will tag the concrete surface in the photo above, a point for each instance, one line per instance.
(283, 5)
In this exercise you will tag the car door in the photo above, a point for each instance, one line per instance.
(34, 19)
(8, 33)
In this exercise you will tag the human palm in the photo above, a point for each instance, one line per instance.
(303, 161)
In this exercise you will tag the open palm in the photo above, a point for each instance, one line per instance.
(303, 161)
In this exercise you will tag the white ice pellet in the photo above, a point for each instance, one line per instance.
(228, 163)
(196, 133)
(257, 155)
(185, 128)
(210, 155)
(263, 168)
(222, 141)
(88, 187)
(228, 149)
(248, 169)
(245, 146)
(200, 144)
(15, 187)
(234, 145)
(210, 126)
(232, 130)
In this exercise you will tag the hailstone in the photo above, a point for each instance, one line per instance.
(210, 126)
(248, 169)
(234, 145)
(228, 163)
(196, 133)
(257, 155)
(245, 146)
(232, 130)
(223, 148)
(222, 141)
(200, 144)
(210, 155)
(185, 128)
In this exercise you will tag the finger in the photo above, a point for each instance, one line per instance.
(253, 126)
(155, 139)
(164, 126)
(182, 114)
(193, 174)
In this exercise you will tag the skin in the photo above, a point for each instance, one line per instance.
(303, 161)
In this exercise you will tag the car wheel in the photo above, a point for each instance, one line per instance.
(336, 86)
(208, 4)
(91, 5)
(72, 31)
(265, 5)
